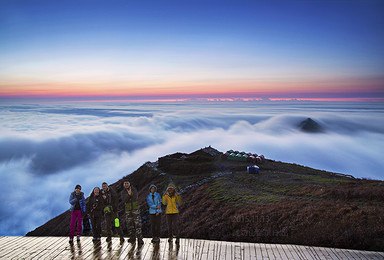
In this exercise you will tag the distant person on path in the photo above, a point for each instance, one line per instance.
(154, 204)
(172, 200)
(129, 197)
(111, 202)
(78, 208)
(95, 209)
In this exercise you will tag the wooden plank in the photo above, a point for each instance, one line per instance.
(336, 253)
(164, 247)
(8, 244)
(263, 251)
(197, 248)
(221, 251)
(226, 250)
(302, 252)
(51, 244)
(236, 251)
(130, 250)
(5, 246)
(246, 252)
(173, 251)
(290, 249)
(59, 248)
(258, 251)
(272, 251)
(217, 250)
(16, 247)
(123, 250)
(280, 254)
(153, 252)
(312, 252)
(342, 254)
(56, 241)
(203, 254)
(148, 246)
(3, 239)
(353, 254)
(82, 248)
(108, 249)
(186, 249)
(26, 247)
(211, 249)
(307, 252)
(366, 255)
(380, 255)
(326, 253)
(284, 252)
(86, 249)
(318, 254)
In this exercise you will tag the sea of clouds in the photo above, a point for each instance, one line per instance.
(46, 149)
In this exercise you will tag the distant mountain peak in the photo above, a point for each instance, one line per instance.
(311, 126)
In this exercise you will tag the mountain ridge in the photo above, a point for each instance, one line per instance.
(284, 203)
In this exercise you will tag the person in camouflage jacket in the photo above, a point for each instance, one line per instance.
(129, 197)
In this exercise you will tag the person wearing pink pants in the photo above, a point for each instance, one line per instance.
(78, 209)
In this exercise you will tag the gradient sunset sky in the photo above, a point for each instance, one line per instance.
(192, 49)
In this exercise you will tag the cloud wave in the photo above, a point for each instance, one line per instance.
(45, 150)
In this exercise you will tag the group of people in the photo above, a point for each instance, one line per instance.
(104, 203)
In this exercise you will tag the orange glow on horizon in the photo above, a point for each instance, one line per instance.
(209, 90)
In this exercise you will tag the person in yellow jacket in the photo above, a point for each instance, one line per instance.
(172, 200)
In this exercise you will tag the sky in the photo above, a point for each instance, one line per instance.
(191, 49)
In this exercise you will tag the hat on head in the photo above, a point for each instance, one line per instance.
(171, 186)
(78, 187)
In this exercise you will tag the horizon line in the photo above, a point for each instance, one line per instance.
(197, 99)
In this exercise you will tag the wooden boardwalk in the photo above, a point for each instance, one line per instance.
(59, 248)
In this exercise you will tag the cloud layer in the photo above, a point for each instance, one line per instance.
(45, 150)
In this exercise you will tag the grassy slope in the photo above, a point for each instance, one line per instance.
(285, 203)
(288, 203)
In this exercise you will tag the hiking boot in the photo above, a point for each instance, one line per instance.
(140, 241)
(108, 239)
(78, 238)
(71, 240)
(132, 240)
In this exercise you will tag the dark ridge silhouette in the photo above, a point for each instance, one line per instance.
(285, 203)
(310, 126)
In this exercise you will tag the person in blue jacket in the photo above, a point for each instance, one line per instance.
(78, 209)
(154, 203)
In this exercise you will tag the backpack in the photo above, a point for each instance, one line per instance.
(86, 225)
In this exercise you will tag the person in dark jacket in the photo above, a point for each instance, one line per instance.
(78, 208)
(154, 204)
(129, 197)
(111, 202)
(95, 209)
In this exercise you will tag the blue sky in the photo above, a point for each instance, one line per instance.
(124, 48)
